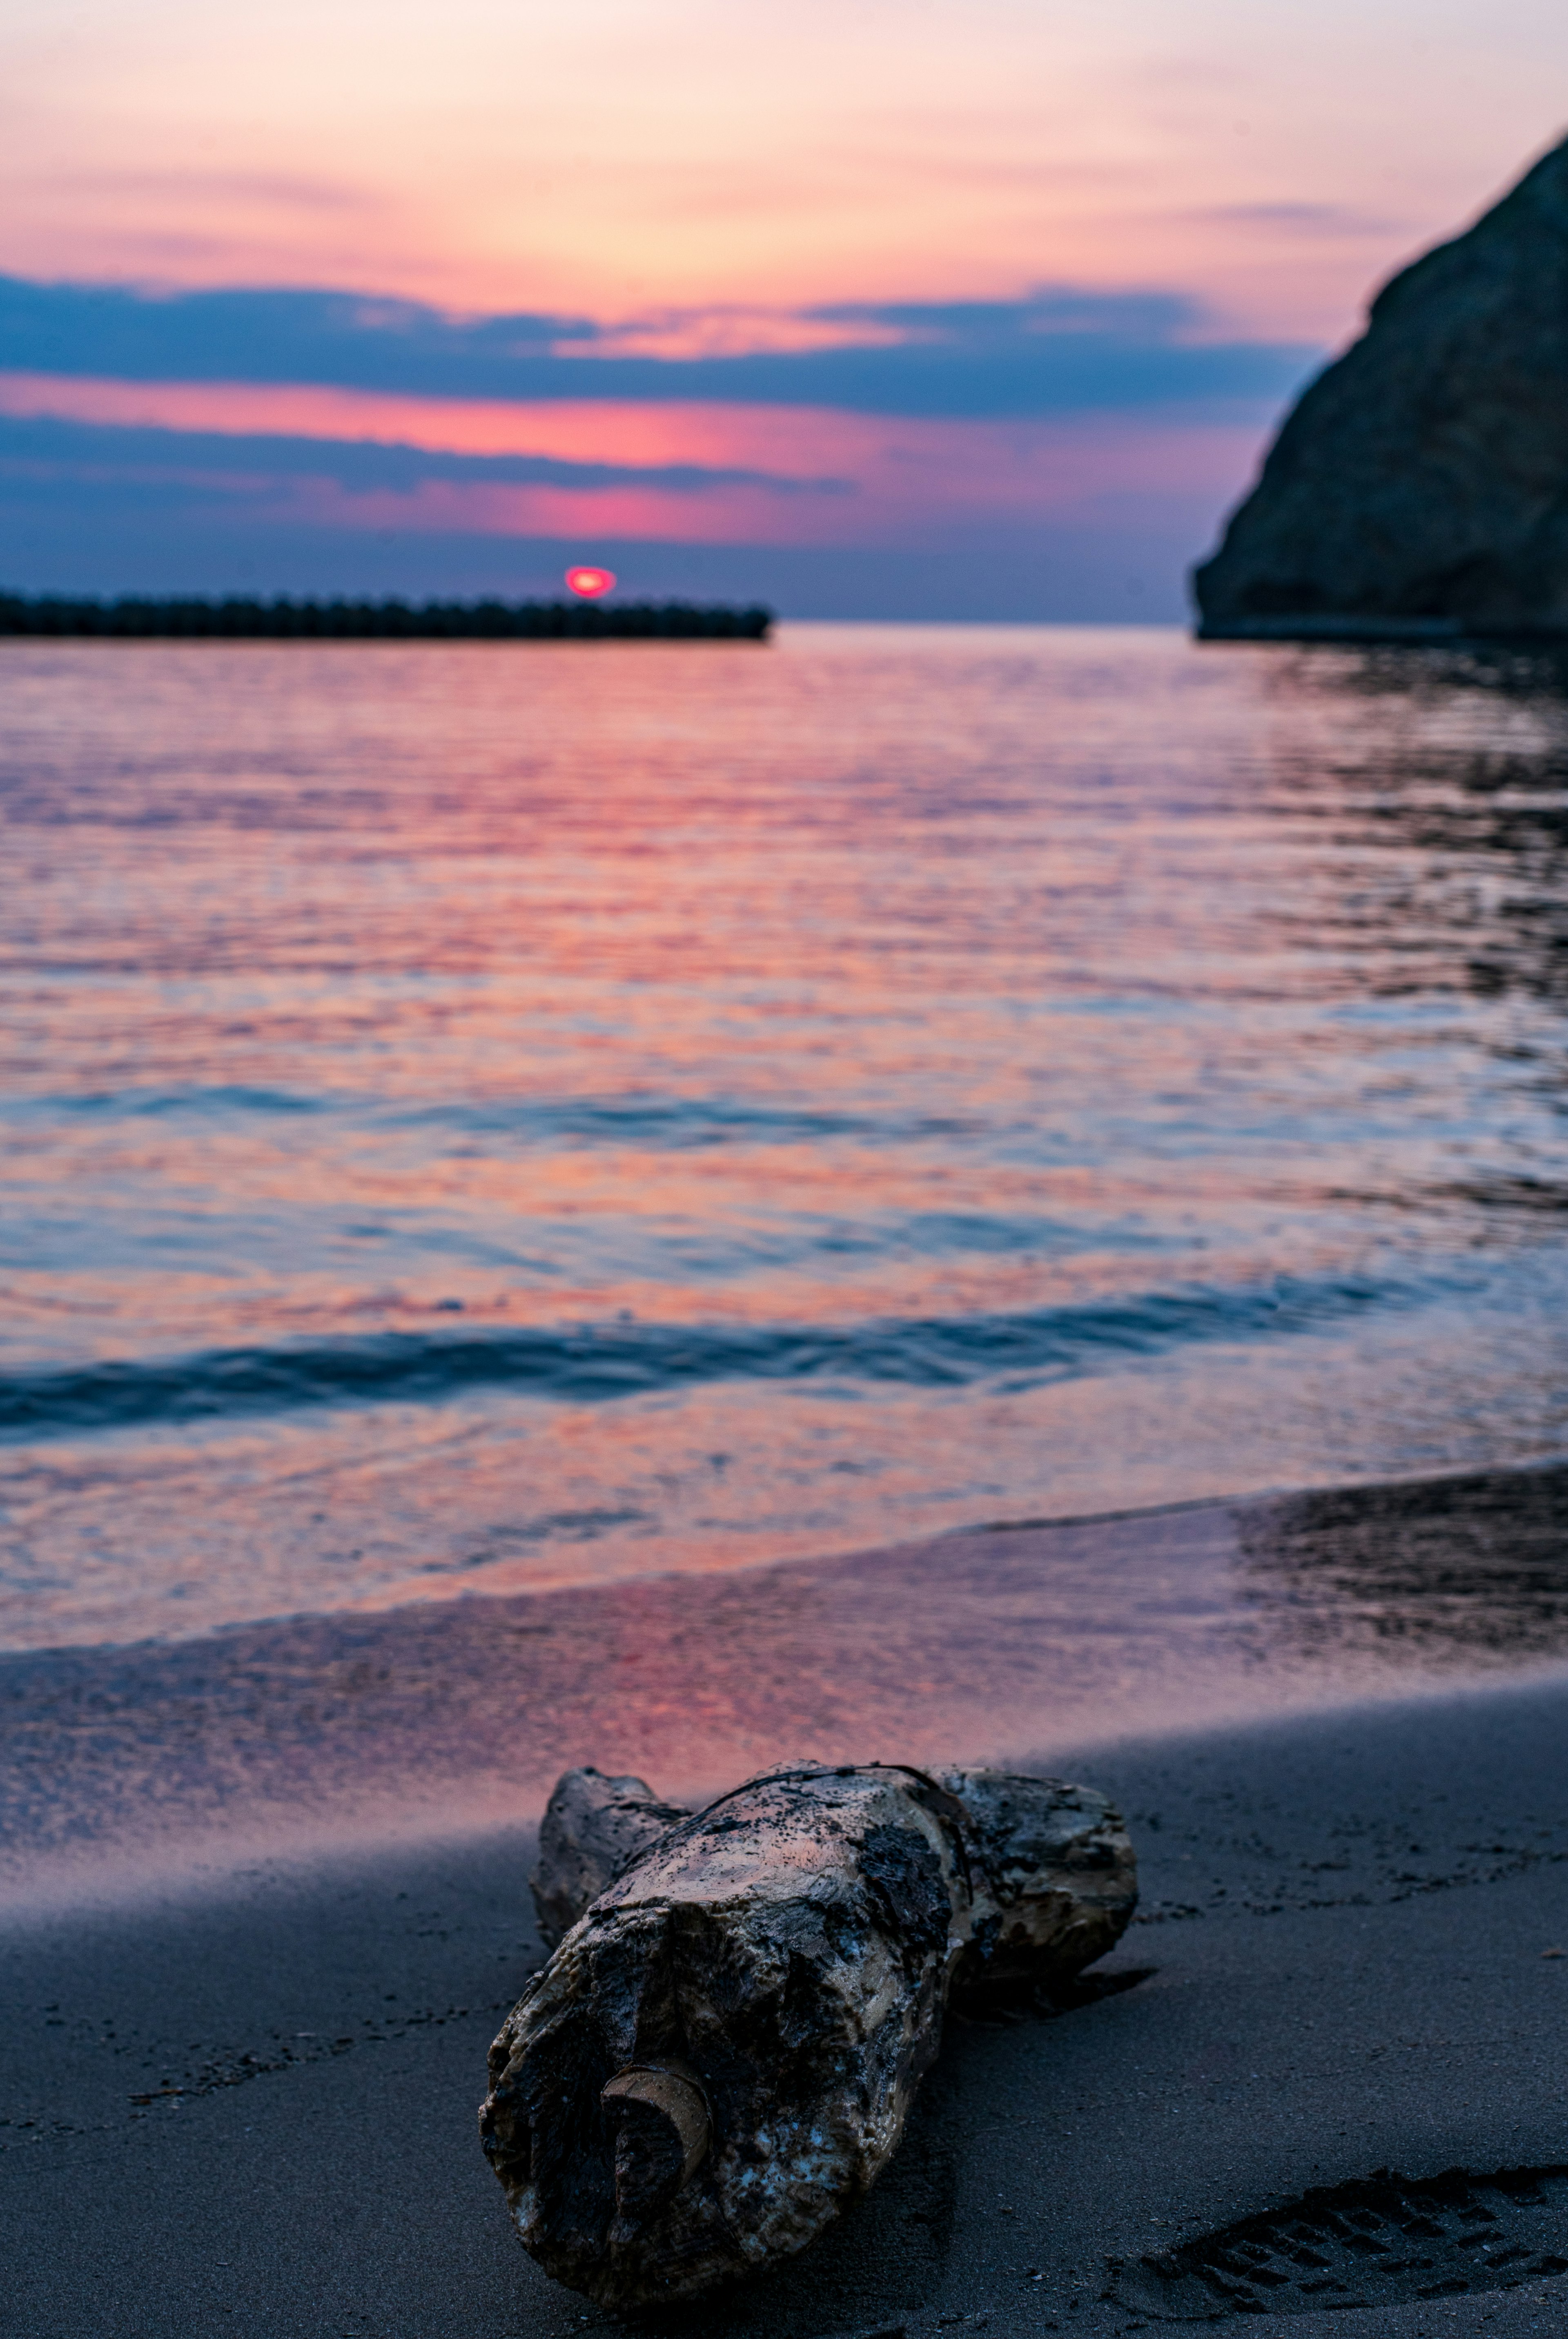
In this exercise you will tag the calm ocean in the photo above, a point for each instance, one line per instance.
(483, 1117)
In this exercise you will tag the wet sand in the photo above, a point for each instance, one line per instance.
(126, 1765)
(244, 2101)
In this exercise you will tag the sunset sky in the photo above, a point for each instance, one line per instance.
(905, 308)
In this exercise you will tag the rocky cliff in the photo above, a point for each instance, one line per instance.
(1420, 487)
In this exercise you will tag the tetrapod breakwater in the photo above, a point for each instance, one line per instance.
(191, 617)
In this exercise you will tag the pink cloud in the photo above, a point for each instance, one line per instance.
(907, 479)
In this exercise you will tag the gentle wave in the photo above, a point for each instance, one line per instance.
(658, 1122)
(593, 1364)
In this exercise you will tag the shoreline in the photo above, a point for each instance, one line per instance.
(352, 1729)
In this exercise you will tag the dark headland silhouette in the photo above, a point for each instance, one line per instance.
(1419, 488)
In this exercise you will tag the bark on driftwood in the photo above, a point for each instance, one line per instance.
(593, 1829)
(722, 2049)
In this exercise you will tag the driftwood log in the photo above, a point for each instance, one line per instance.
(722, 2051)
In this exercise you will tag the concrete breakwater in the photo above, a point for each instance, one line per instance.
(188, 617)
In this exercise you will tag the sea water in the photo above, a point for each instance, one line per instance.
(482, 1117)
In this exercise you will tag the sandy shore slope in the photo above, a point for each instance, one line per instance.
(251, 2111)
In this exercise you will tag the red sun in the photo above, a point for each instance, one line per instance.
(589, 583)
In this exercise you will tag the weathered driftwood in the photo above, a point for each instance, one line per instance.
(724, 2046)
(1053, 1880)
(593, 1829)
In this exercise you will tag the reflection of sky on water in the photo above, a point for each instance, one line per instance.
(485, 1120)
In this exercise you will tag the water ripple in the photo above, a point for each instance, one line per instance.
(593, 1363)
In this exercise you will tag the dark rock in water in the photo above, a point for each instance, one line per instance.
(722, 2049)
(1419, 490)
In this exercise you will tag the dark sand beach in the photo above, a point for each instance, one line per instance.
(242, 2097)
